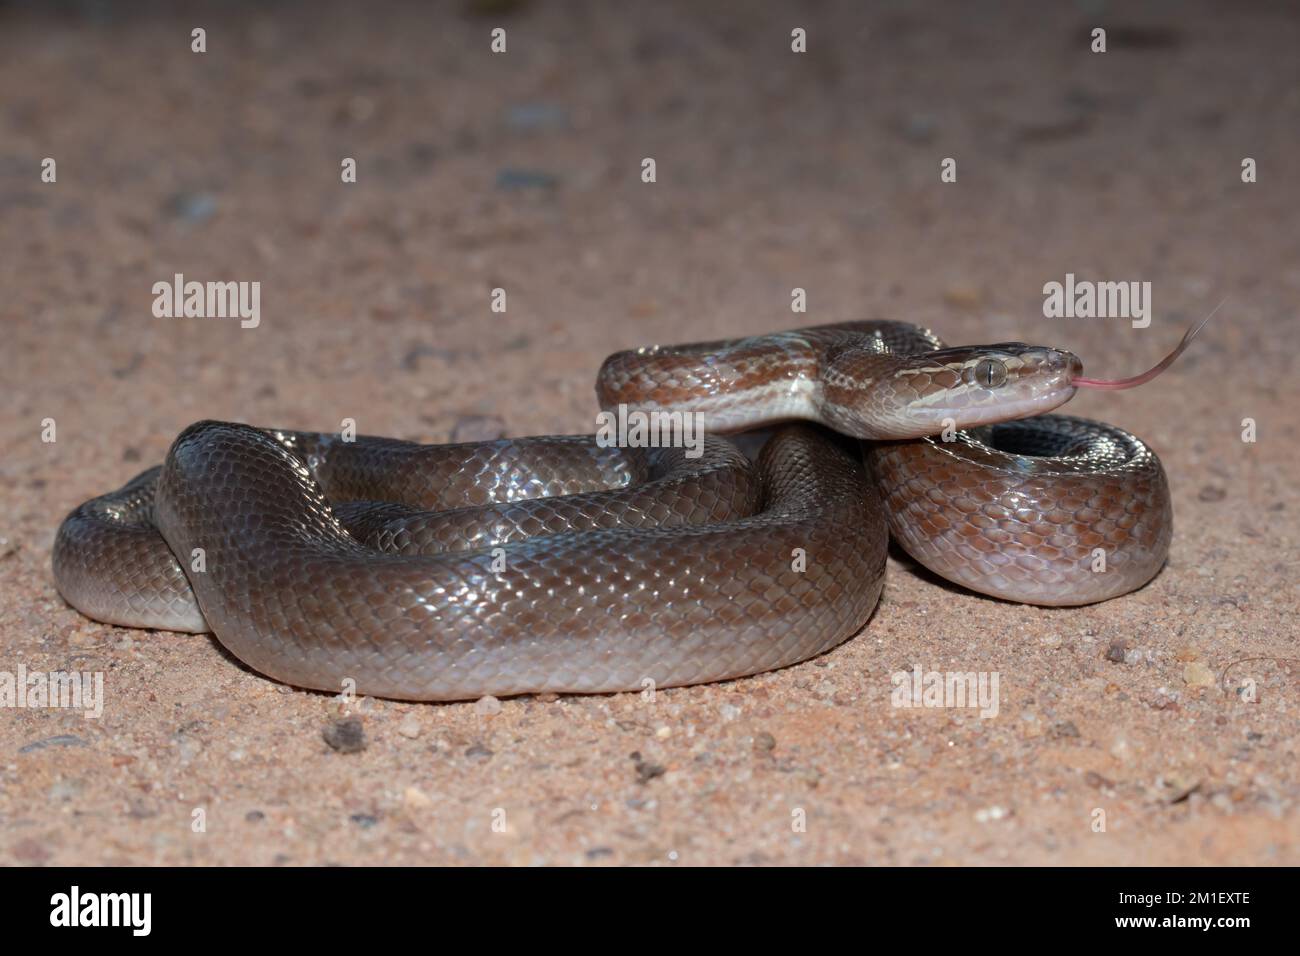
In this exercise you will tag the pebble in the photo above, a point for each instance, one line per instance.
(347, 736)
(1163, 700)
(487, 706)
(409, 726)
(1115, 653)
(65, 790)
(1064, 729)
(646, 771)
(479, 752)
(513, 180)
(83, 639)
(918, 127)
(1179, 785)
(411, 360)
(533, 117)
(764, 742)
(30, 850)
(1196, 674)
(416, 799)
(1093, 779)
(963, 298)
(194, 207)
(1050, 128)
(59, 740)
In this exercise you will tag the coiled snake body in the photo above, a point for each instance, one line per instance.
(447, 572)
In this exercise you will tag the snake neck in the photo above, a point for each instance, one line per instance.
(872, 379)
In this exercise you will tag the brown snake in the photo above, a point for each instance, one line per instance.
(445, 572)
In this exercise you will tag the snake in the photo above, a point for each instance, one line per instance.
(580, 564)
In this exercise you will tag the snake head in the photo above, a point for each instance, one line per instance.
(887, 396)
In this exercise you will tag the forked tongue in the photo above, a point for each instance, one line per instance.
(1114, 384)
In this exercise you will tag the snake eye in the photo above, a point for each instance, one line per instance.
(990, 373)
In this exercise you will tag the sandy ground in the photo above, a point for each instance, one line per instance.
(774, 171)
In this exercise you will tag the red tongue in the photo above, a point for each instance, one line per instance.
(1164, 363)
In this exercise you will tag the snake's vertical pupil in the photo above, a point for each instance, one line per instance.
(990, 373)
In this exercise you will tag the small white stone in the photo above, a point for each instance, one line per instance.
(416, 798)
(409, 726)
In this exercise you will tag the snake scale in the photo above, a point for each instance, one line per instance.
(553, 564)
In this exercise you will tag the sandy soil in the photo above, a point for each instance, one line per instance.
(774, 171)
